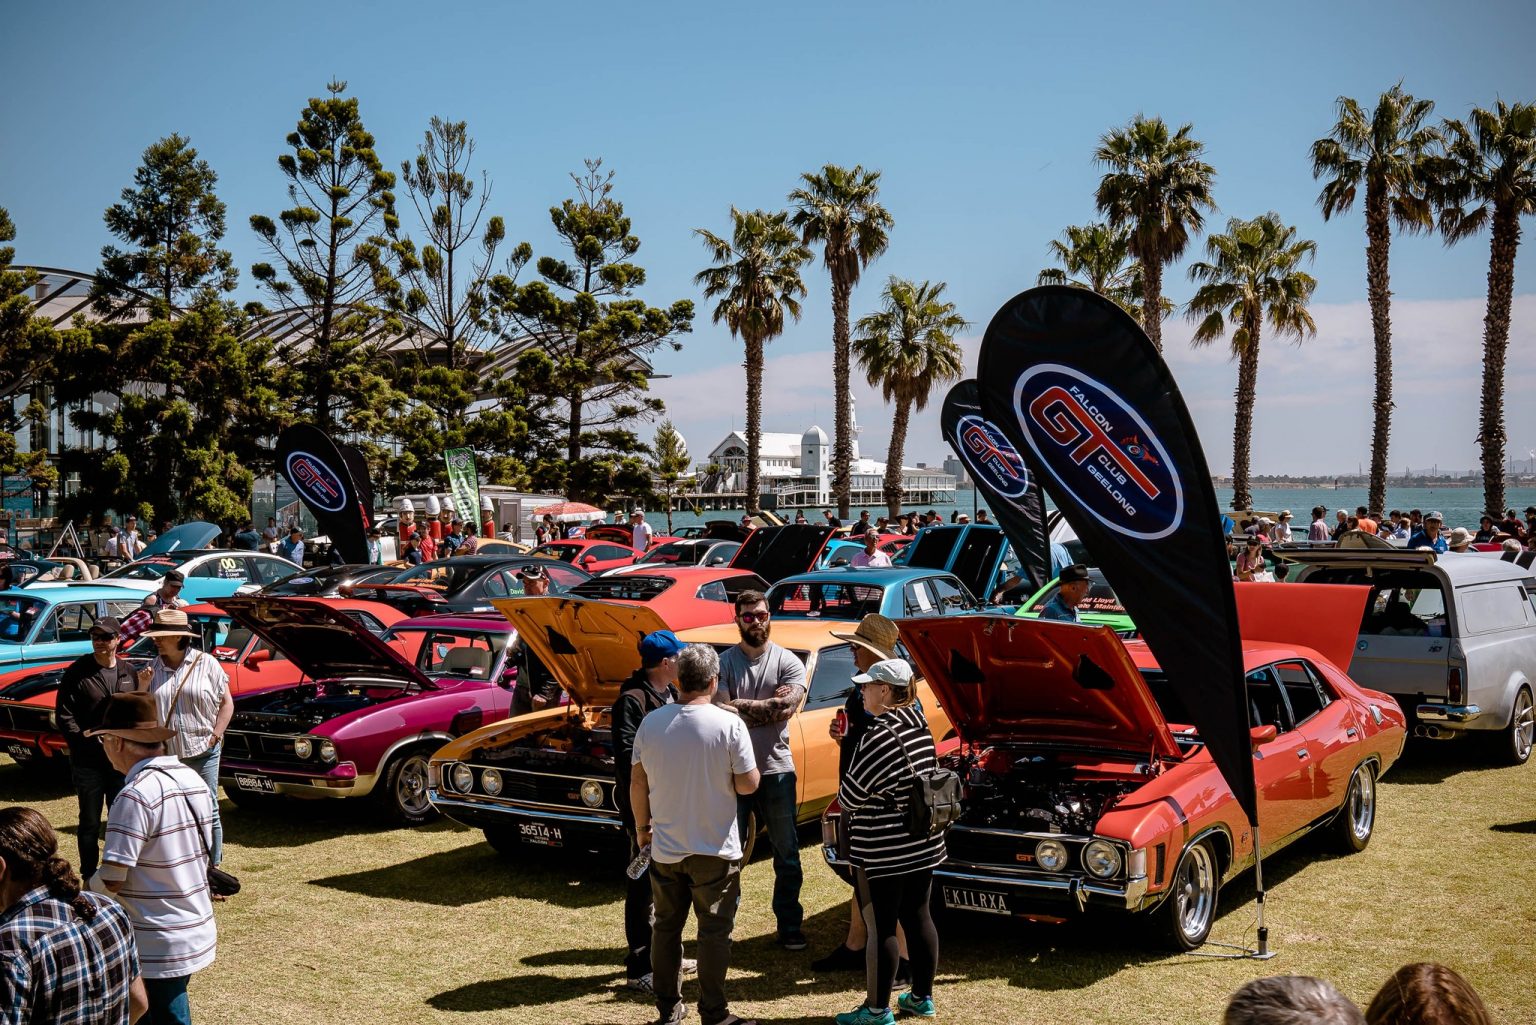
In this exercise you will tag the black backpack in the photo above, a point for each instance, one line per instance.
(930, 799)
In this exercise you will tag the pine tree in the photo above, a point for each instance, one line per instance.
(28, 344)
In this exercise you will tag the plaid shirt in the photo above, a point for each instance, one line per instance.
(137, 622)
(58, 969)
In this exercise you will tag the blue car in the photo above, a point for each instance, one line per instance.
(210, 574)
(850, 594)
(978, 553)
(50, 622)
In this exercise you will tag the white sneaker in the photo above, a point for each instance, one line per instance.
(689, 967)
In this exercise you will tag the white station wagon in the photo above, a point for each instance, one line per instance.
(1452, 637)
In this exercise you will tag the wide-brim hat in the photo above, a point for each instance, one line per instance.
(874, 633)
(1459, 536)
(169, 623)
(132, 716)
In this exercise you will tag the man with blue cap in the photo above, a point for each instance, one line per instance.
(653, 685)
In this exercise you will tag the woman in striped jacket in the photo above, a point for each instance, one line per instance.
(894, 867)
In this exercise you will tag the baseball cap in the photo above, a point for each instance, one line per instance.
(658, 645)
(1073, 573)
(107, 625)
(1432, 515)
(893, 672)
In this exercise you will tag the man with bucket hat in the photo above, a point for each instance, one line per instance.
(156, 856)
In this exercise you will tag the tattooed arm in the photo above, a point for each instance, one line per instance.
(783, 704)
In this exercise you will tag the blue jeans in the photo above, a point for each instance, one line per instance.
(775, 805)
(206, 765)
(95, 789)
(168, 1004)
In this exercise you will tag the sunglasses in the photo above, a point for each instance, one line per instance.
(103, 638)
(752, 617)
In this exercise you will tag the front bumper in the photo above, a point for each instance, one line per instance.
(963, 887)
(483, 814)
(340, 780)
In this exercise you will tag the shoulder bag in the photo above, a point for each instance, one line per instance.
(220, 882)
(931, 798)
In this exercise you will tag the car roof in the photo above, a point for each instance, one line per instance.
(794, 634)
(60, 590)
(1460, 567)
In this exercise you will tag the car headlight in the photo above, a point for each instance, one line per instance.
(1051, 855)
(461, 777)
(327, 751)
(592, 793)
(302, 747)
(1101, 859)
(490, 782)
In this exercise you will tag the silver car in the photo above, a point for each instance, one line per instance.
(1452, 637)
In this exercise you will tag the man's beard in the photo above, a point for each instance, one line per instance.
(755, 635)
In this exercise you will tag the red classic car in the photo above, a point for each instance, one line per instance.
(27, 696)
(592, 556)
(1084, 787)
(372, 709)
(684, 597)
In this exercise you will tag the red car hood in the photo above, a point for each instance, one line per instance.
(1004, 679)
(322, 641)
(1323, 617)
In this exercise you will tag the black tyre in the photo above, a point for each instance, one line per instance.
(1514, 741)
(504, 841)
(247, 800)
(402, 790)
(1356, 821)
(1188, 912)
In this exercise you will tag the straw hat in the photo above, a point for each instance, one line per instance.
(132, 716)
(169, 623)
(1459, 537)
(875, 633)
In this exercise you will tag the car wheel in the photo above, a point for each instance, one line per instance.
(1189, 910)
(403, 790)
(245, 800)
(1515, 742)
(1357, 816)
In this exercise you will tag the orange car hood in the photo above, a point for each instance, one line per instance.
(589, 647)
(1008, 679)
(1323, 617)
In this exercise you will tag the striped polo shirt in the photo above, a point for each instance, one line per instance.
(874, 789)
(156, 848)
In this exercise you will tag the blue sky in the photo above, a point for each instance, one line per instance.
(983, 118)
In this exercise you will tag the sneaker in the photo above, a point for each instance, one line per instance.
(794, 939)
(862, 1015)
(679, 1012)
(909, 1004)
(842, 959)
(689, 967)
(641, 984)
(903, 973)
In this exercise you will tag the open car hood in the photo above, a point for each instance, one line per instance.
(973, 552)
(774, 553)
(196, 534)
(589, 647)
(1002, 679)
(1323, 617)
(324, 642)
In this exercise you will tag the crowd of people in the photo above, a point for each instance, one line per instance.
(1414, 528)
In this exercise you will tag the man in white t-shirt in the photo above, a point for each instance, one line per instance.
(640, 532)
(156, 855)
(692, 759)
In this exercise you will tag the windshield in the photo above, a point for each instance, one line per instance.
(825, 600)
(450, 576)
(565, 553)
(17, 615)
(465, 654)
(677, 553)
(152, 568)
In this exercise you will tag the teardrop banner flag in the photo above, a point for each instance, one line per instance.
(357, 466)
(312, 463)
(1077, 387)
(997, 470)
(464, 483)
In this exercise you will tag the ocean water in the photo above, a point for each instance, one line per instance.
(1461, 507)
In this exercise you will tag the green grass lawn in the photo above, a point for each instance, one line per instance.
(342, 921)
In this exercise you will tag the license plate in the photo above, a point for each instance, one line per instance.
(966, 899)
(254, 783)
(20, 752)
(540, 835)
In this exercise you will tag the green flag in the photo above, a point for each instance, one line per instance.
(464, 484)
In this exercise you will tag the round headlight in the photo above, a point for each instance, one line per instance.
(327, 751)
(1101, 859)
(302, 747)
(592, 793)
(462, 778)
(1051, 855)
(490, 782)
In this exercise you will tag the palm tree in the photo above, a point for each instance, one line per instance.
(840, 209)
(1158, 187)
(756, 277)
(1489, 176)
(1251, 276)
(906, 350)
(1098, 257)
(1390, 151)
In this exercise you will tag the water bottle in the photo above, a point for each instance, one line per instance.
(640, 864)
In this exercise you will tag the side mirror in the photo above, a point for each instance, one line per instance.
(588, 560)
(509, 678)
(1261, 735)
(257, 657)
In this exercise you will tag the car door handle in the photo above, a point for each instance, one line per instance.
(1302, 753)
(1351, 732)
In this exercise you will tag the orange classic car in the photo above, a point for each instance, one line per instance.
(1085, 787)
(546, 779)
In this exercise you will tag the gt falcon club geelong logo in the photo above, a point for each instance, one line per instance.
(991, 457)
(1100, 450)
(318, 482)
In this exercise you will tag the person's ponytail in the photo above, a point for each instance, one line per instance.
(60, 878)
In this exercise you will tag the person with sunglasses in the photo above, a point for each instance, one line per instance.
(764, 684)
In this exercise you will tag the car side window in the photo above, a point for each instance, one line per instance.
(713, 591)
(206, 569)
(562, 578)
(1266, 705)
(918, 600)
(1306, 698)
(122, 609)
(952, 595)
(367, 622)
(72, 623)
(496, 585)
(606, 552)
(833, 677)
(268, 571)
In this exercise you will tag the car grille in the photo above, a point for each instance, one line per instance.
(523, 787)
(261, 747)
(24, 717)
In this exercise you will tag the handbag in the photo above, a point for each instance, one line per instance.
(931, 797)
(220, 882)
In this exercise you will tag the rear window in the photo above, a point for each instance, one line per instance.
(1403, 603)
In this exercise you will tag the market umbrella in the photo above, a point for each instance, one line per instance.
(570, 512)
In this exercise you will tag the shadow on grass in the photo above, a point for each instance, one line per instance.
(516, 991)
(470, 875)
(34, 782)
(288, 822)
(1430, 762)
(1528, 826)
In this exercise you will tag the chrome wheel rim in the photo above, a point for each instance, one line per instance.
(1523, 725)
(411, 786)
(1195, 892)
(1362, 805)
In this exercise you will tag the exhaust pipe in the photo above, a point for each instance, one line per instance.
(1431, 732)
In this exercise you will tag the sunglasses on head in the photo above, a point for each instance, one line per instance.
(752, 617)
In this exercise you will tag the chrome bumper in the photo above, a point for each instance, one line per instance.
(477, 813)
(1447, 713)
(1064, 889)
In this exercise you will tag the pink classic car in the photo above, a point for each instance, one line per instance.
(372, 710)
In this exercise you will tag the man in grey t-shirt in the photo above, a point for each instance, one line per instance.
(764, 684)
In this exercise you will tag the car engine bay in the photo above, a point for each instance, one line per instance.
(570, 747)
(1038, 793)
(300, 709)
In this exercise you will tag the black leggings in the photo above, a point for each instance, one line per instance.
(885, 901)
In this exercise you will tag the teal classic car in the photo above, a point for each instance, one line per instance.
(49, 622)
(1100, 608)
